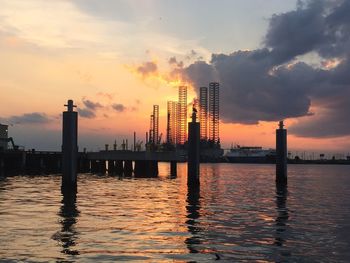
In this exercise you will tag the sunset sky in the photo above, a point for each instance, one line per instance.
(116, 58)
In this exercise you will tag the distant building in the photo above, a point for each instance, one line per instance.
(214, 111)
(203, 112)
(181, 136)
(3, 135)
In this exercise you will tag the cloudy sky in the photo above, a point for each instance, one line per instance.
(116, 58)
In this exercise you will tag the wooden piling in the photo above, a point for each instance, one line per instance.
(128, 168)
(69, 148)
(281, 155)
(173, 168)
(193, 152)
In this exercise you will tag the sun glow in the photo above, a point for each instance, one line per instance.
(157, 78)
(331, 63)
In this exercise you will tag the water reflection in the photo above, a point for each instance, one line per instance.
(68, 234)
(192, 208)
(282, 215)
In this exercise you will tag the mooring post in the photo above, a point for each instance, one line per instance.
(23, 163)
(153, 168)
(173, 168)
(69, 148)
(119, 168)
(95, 167)
(101, 166)
(111, 167)
(41, 165)
(281, 154)
(127, 168)
(2, 167)
(58, 164)
(140, 168)
(193, 151)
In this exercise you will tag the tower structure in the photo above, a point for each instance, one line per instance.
(203, 112)
(182, 116)
(154, 125)
(214, 111)
(151, 131)
(172, 121)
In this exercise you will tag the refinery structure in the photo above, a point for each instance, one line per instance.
(207, 108)
(209, 112)
(177, 119)
(214, 112)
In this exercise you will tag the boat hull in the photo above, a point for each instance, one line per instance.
(251, 159)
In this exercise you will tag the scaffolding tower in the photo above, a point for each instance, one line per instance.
(155, 124)
(151, 131)
(203, 112)
(214, 111)
(172, 122)
(182, 116)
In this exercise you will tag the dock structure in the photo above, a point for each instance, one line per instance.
(281, 155)
(115, 162)
(69, 162)
(142, 163)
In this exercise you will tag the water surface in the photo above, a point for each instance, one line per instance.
(237, 215)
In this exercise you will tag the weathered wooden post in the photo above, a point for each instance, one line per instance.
(281, 154)
(41, 165)
(153, 168)
(69, 149)
(119, 167)
(101, 166)
(2, 166)
(127, 168)
(23, 163)
(193, 151)
(111, 167)
(173, 168)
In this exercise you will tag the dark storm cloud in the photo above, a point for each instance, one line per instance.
(249, 92)
(201, 73)
(269, 84)
(322, 26)
(296, 32)
(119, 107)
(330, 123)
(86, 113)
(91, 105)
(173, 61)
(28, 118)
(147, 68)
(89, 109)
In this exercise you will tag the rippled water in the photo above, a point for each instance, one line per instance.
(237, 215)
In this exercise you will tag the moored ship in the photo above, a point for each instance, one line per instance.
(250, 154)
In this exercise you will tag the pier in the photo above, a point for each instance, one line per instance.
(113, 162)
(141, 164)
